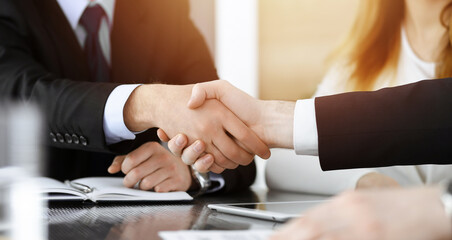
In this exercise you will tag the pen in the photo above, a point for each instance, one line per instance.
(79, 186)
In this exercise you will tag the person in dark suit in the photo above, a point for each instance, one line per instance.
(409, 124)
(75, 59)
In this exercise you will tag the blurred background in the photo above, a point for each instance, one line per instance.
(273, 49)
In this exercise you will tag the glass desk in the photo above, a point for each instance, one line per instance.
(144, 221)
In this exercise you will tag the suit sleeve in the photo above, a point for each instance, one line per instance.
(71, 108)
(406, 125)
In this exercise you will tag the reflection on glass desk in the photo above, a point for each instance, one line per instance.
(144, 221)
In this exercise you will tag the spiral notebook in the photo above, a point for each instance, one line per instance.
(102, 189)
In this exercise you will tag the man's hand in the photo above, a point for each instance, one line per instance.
(153, 167)
(226, 137)
(412, 214)
(271, 120)
(177, 145)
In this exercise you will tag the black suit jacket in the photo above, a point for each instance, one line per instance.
(42, 61)
(406, 125)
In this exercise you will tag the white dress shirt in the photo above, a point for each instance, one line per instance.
(114, 127)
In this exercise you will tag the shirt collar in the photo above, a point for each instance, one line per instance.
(73, 9)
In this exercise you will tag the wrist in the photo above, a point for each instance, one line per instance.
(138, 110)
(277, 123)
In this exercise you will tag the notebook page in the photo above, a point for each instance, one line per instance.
(56, 190)
(112, 189)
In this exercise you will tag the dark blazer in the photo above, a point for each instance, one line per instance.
(406, 125)
(42, 61)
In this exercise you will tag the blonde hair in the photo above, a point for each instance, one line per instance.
(373, 44)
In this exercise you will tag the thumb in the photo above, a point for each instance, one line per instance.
(198, 96)
(208, 90)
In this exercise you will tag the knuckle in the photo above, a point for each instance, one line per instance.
(134, 174)
(131, 160)
(221, 161)
(235, 155)
(153, 145)
(146, 184)
(217, 170)
(127, 182)
(161, 189)
(173, 148)
(188, 159)
(243, 136)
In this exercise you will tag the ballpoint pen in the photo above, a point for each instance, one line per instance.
(79, 186)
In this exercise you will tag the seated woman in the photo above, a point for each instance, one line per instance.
(392, 42)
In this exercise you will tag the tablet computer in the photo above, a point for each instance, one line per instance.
(274, 211)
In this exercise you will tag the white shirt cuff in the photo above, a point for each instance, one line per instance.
(114, 127)
(305, 137)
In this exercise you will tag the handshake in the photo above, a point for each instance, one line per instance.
(212, 125)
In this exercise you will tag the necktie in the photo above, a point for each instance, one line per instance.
(98, 66)
(97, 163)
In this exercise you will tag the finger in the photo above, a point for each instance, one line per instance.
(138, 173)
(116, 164)
(193, 152)
(220, 159)
(246, 136)
(177, 144)
(139, 155)
(216, 169)
(198, 96)
(155, 178)
(162, 135)
(168, 185)
(203, 163)
(232, 151)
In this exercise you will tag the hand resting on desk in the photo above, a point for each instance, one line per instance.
(153, 167)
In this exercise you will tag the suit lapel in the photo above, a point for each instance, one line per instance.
(70, 55)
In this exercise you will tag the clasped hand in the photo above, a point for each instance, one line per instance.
(212, 128)
(271, 121)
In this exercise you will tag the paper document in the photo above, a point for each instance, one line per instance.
(216, 235)
(102, 189)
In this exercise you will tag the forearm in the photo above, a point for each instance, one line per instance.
(403, 125)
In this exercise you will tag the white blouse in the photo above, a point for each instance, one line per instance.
(289, 172)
